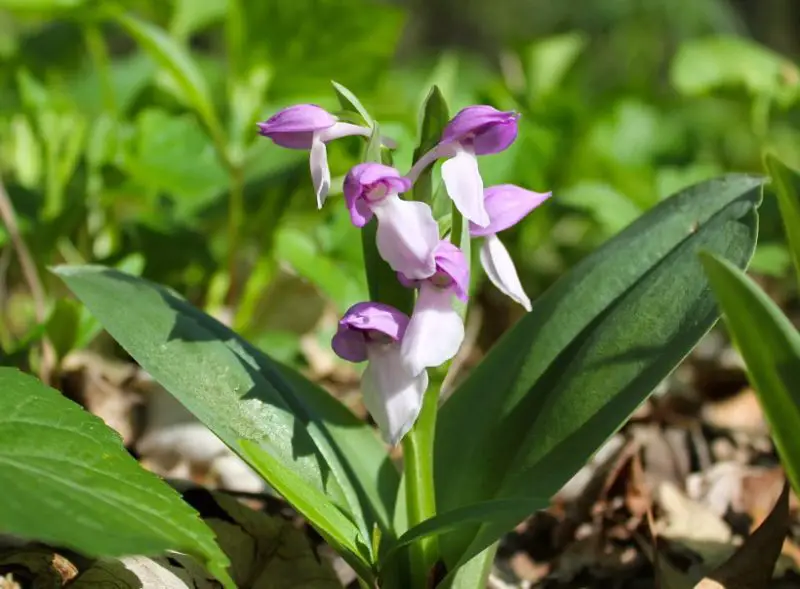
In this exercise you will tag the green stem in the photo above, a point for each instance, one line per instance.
(420, 489)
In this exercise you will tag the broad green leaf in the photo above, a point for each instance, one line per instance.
(350, 101)
(435, 116)
(786, 184)
(89, 327)
(770, 346)
(707, 64)
(243, 395)
(68, 480)
(177, 61)
(570, 372)
(549, 61)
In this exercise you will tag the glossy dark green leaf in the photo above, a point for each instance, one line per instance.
(786, 184)
(569, 373)
(770, 346)
(243, 395)
(68, 480)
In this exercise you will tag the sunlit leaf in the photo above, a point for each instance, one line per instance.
(67, 480)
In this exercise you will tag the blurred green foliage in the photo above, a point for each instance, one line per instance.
(127, 136)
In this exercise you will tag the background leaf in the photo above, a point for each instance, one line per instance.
(67, 479)
(177, 61)
(770, 346)
(786, 184)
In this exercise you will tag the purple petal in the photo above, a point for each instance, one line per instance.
(506, 205)
(361, 179)
(294, 127)
(451, 262)
(297, 119)
(349, 344)
(488, 129)
(364, 321)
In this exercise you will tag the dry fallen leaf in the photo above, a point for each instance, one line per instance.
(741, 412)
(267, 552)
(8, 582)
(37, 567)
(139, 572)
(106, 388)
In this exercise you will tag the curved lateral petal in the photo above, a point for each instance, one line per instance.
(392, 395)
(464, 184)
(500, 269)
(320, 173)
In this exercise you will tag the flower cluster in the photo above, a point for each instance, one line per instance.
(399, 349)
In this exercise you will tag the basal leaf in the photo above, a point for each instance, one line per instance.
(67, 480)
(242, 394)
(593, 347)
(770, 346)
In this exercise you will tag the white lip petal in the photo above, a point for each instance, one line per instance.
(320, 173)
(435, 331)
(392, 395)
(500, 269)
(464, 184)
(407, 236)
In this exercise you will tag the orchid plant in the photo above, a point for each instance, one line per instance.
(399, 349)
(510, 433)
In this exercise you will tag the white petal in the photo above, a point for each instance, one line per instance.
(407, 236)
(500, 269)
(320, 173)
(435, 331)
(465, 186)
(392, 395)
